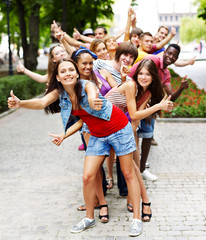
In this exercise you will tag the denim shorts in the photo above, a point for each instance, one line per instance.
(146, 130)
(122, 141)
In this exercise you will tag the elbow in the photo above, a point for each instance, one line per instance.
(134, 118)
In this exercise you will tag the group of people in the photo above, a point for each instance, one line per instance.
(111, 92)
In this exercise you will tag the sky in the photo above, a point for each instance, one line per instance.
(146, 12)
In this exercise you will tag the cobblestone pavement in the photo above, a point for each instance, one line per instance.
(41, 184)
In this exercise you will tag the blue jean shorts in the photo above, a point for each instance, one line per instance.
(122, 141)
(146, 130)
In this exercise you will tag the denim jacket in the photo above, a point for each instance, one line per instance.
(66, 107)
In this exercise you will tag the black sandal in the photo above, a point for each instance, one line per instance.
(103, 216)
(146, 214)
(129, 207)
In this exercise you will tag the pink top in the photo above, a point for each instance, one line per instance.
(164, 73)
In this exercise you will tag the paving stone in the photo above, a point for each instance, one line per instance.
(41, 184)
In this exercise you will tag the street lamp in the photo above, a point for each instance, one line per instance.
(9, 41)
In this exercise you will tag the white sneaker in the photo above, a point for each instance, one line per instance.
(136, 228)
(147, 175)
(83, 225)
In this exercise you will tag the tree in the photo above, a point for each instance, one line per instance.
(192, 29)
(32, 20)
(201, 8)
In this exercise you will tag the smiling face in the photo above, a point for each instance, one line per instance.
(101, 51)
(85, 66)
(170, 56)
(58, 53)
(126, 59)
(67, 74)
(144, 78)
(162, 34)
(135, 40)
(111, 44)
(99, 33)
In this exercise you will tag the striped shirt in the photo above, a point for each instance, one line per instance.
(106, 64)
(117, 99)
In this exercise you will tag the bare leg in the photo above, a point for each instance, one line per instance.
(136, 154)
(127, 168)
(110, 163)
(146, 144)
(91, 166)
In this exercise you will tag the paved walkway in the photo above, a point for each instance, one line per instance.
(41, 184)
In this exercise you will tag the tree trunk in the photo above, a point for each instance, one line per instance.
(30, 51)
(64, 15)
(22, 23)
(34, 37)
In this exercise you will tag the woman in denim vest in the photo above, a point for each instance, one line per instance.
(66, 92)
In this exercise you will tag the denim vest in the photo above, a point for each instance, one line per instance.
(66, 107)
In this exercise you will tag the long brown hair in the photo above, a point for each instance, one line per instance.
(155, 87)
(51, 63)
(95, 43)
(54, 84)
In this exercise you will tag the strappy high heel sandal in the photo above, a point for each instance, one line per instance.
(104, 216)
(146, 214)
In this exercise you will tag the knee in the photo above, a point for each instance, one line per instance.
(128, 175)
(87, 179)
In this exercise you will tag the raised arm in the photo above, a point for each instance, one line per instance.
(161, 44)
(79, 36)
(35, 76)
(60, 35)
(183, 63)
(174, 95)
(35, 104)
(128, 25)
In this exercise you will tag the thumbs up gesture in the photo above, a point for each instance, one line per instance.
(97, 103)
(13, 101)
(166, 104)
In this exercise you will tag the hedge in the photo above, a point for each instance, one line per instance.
(23, 87)
(192, 101)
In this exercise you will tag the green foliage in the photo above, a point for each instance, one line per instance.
(191, 103)
(79, 14)
(192, 28)
(134, 3)
(201, 8)
(23, 86)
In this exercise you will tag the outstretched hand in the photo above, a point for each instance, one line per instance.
(13, 101)
(59, 34)
(54, 26)
(57, 139)
(20, 67)
(76, 34)
(166, 104)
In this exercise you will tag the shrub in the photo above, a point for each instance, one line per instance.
(23, 87)
(192, 101)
